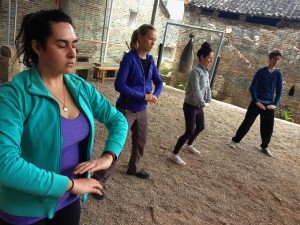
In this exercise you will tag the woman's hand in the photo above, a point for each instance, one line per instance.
(85, 185)
(94, 165)
(271, 106)
(260, 105)
(151, 98)
(154, 99)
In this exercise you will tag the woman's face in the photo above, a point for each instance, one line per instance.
(59, 55)
(146, 42)
(205, 61)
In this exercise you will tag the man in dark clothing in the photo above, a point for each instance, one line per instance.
(266, 80)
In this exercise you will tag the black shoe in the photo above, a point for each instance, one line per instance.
(142, 174)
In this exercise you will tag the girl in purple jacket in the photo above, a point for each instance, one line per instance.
(134, 83)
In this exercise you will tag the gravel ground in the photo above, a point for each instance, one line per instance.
(219, 186)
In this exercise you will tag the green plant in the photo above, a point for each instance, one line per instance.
(164, 69)
(181, 86)
(287, 115)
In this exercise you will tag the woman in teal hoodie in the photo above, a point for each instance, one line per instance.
(47, 128)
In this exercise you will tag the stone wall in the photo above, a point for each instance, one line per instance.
(88, 18)
(120, 32)
(244, 50)
(24, 7)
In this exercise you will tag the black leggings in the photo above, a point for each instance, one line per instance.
(70, 215)
(194, 124)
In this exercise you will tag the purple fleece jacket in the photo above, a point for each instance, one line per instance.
(132, 84)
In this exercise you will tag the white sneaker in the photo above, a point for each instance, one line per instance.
(191, 149)
(232, 144)
(176, 159)
(267, 151)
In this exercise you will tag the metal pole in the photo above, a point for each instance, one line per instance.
(212, 81)
(162, 47)
(16, 15)
(103, 31)
(155, 6)
(159, 56)
(108, 29)
(199, 28)
(8, 22)
(216, 56)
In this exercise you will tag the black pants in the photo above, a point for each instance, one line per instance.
(266, 124)
(194, 124)
(69, 215)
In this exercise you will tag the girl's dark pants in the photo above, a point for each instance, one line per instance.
(266, 124)
(194, 124)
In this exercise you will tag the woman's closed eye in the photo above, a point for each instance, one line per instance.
(66, 46)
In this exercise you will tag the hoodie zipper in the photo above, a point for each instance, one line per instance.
(143, 73)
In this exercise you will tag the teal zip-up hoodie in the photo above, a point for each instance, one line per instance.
(31, 140)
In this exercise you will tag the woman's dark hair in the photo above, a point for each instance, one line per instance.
(142, 30)
(36, 26)
(204, 50)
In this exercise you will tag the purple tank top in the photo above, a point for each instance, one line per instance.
(74, 131)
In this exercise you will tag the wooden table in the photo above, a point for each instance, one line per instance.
(100, 70)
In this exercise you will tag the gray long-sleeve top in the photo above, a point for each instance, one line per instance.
(198, 91)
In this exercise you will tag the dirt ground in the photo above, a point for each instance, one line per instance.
(219, 186)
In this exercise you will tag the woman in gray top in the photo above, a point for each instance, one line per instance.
(197, 96)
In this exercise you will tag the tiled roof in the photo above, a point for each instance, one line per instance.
(289, 9)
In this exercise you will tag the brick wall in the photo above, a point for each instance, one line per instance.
(120, 31)
(88, 17)
(244, 50)
(24, 7)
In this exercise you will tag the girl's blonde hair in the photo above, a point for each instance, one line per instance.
(142, 30)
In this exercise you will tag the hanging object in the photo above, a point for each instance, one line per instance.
(187, 56)
(292, 90)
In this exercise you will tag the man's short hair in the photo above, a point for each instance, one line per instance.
(275, 53)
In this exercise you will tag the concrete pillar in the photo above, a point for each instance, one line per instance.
(9, 66)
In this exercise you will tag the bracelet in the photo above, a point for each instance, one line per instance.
(72, 184)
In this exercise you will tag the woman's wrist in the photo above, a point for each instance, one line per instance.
(111, 154)
(71, 185)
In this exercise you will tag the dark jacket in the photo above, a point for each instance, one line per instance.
(263, 86)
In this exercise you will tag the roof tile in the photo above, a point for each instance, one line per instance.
(275, 8)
